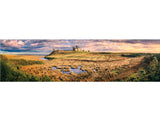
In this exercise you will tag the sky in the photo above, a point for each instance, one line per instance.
(44, 47)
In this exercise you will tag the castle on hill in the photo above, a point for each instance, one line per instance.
(76, 49)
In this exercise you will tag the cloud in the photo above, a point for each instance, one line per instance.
(46, 46)
(34, 44)
(13, 43)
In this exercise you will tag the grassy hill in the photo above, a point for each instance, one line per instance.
(67, 55)
(92, 56)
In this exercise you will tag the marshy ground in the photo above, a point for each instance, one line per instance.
(85, 66)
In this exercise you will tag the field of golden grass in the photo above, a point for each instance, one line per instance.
(99, 66)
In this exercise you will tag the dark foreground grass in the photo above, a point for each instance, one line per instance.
(150, 70)
(12, 72)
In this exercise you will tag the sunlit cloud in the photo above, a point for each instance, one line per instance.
(13, 43)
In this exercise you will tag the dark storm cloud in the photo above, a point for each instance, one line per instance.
(135, 41)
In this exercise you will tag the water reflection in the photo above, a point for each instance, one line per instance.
(54, 68)
(43, 59)
(74, 70)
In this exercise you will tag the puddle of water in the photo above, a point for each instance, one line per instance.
(54, 68)
(65, 72)
(43, 59)
(77, 70)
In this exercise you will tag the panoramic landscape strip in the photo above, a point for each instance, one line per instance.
(72, 60)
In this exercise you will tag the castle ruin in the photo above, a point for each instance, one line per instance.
(76, 48)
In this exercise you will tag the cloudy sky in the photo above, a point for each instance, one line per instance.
(44, 47)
